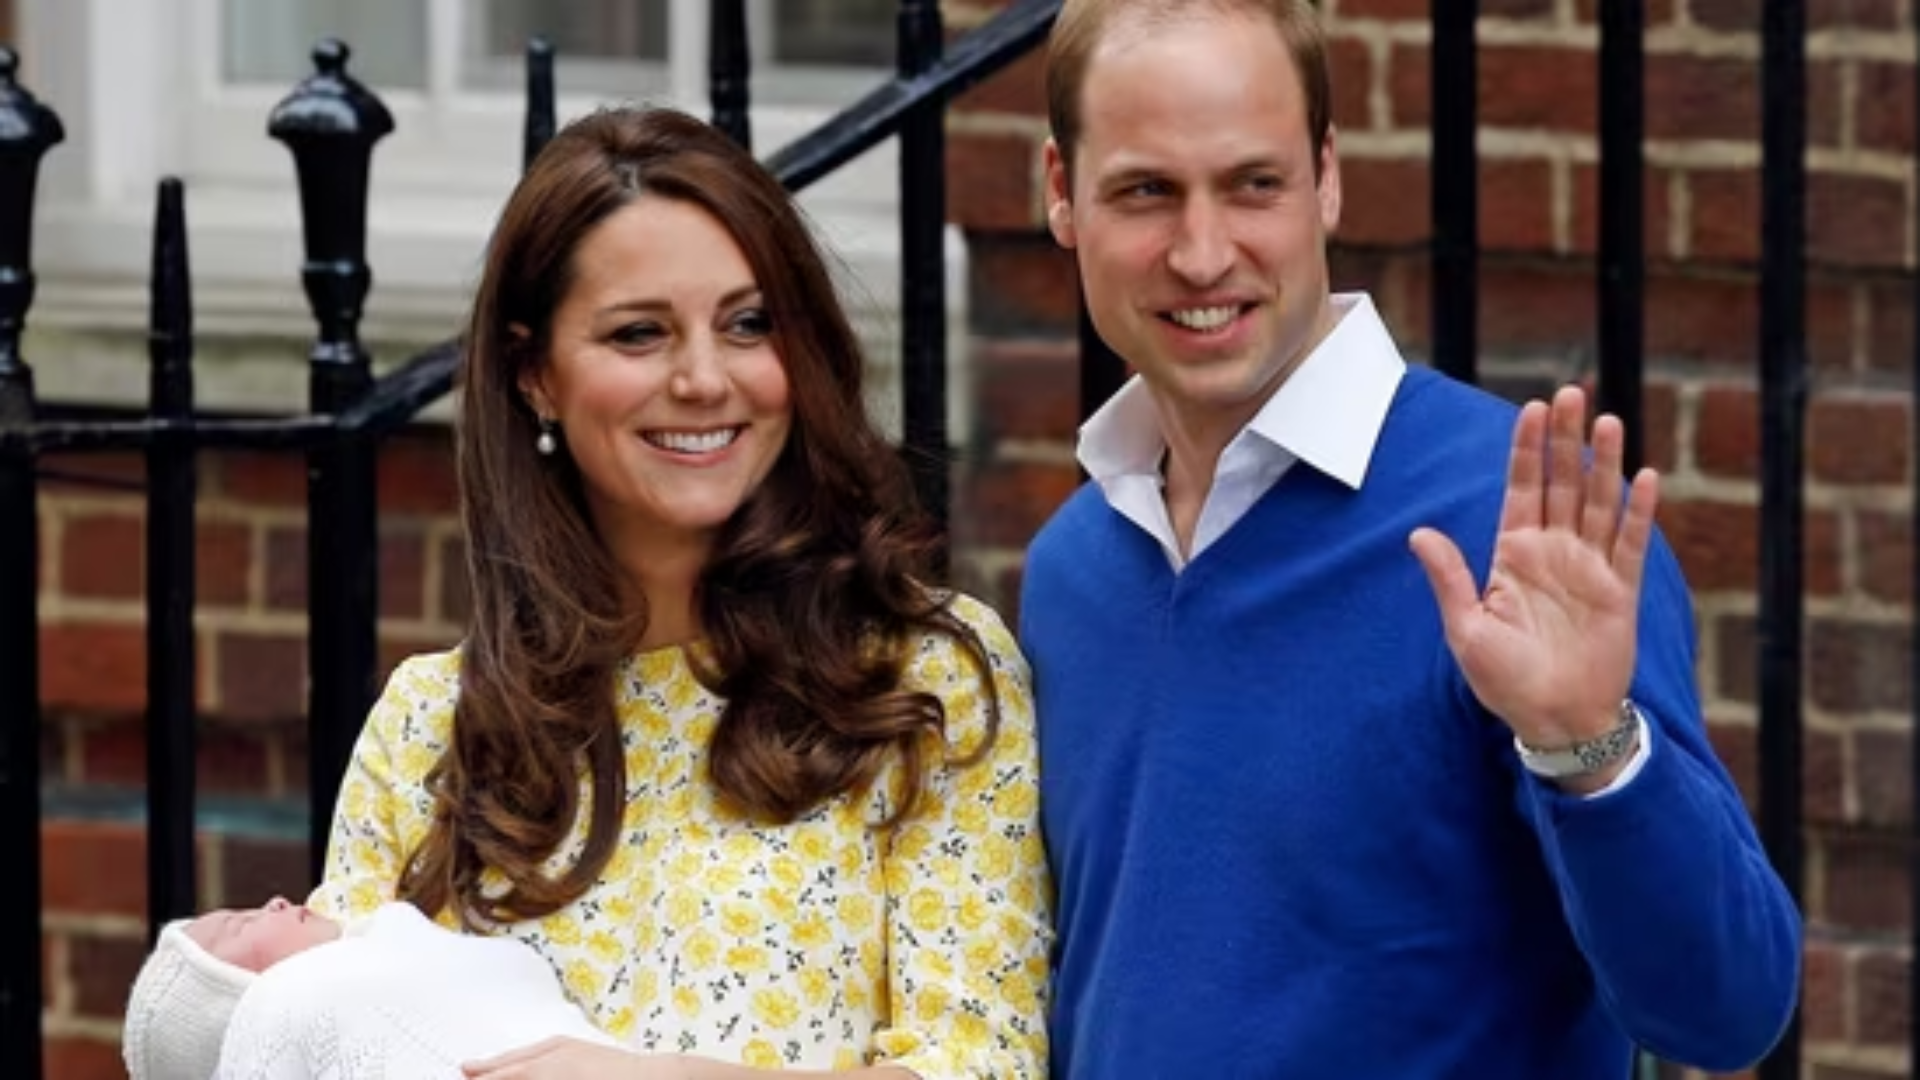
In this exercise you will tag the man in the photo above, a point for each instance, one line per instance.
(1317, 804)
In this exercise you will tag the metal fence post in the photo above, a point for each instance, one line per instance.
(331, 122)
(729, 68)
(923, 265)
(171, 492)
(27, 130)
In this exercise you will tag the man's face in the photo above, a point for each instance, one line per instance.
(1195, 215)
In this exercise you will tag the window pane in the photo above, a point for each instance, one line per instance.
(271, 41)
(600, 46)
(840, 33)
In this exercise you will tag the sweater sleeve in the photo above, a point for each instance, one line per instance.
(1692, 938)
(968, 896)
(383, 805)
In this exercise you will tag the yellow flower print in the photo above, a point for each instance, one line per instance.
(417, 760)
(686, 1002)
(857, 912)
(605, 947)
(678, 803)
(1016, 802)
(760, 1054)
(742, 847)
(969, 1031)
(996, 858)
(725, 877)
(747, 958)
(930, 1003)
(982, 953)
(1024, 893)
(579, 979)
(972, 913)
(926, 910)
(912, 842)
(739, 920)
(787, 871)
(852, 859)
(782, 904)
(974, 781)
(970, 817)
(646, 987)
(811, 931)
(683, 909)
(775, 1008)
(700, 729)
(1021, 994)
(846, 1059)
(815, 986)
(938, 965)
(685, 865)
(812, 846)
(702, 949)
(564, 932)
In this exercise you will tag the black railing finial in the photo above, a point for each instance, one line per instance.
(540, 112)
(27, 130)
(331, 122)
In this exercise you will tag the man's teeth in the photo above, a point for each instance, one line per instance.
(1210, 318)
(687, 442)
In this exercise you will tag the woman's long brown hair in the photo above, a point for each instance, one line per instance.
(816, 590)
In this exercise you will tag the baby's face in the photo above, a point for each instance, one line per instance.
(259, 938)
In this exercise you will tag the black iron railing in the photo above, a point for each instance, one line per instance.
(331, 124)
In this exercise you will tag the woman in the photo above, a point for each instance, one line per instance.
(712, 745)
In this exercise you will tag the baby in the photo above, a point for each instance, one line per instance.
(285, 993)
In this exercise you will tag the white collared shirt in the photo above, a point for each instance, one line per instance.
(1328, 413)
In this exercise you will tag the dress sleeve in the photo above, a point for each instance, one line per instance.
(968, 907)
(384, 807)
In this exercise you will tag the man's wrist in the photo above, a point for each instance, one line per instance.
(1583, 766)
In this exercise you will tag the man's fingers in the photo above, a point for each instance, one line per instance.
(1636, 529)
(1526, 470)
(1600, 516)
(1453, 587)
(1566, 447)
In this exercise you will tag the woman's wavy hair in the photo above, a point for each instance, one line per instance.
(817, 588)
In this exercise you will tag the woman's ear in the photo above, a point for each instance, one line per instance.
(532, 382)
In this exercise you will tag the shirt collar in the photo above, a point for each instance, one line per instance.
(1328, 413)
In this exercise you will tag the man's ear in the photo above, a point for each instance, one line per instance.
(1058, 196)
(1329, 187)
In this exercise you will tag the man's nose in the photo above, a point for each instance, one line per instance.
(1202, 252)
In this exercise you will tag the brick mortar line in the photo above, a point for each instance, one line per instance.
(1033, 451)
(971, 122)
(1498, 143)
(107, 926)
(63, 610)
(1660, 41)
(1695, 486)
(72, 1026)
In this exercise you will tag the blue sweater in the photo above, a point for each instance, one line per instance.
(1288, 841)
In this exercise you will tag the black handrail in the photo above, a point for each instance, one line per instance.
(1622, 254)
(1456, 189)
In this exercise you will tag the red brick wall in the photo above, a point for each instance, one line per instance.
(250, 627)
(1538, 112)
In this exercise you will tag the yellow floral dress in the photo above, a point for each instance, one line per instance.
(825, 943)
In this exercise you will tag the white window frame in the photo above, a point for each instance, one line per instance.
(139, 86)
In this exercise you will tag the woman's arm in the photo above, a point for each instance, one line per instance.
(383, 806)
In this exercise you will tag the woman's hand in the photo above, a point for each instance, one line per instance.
(575, 1059)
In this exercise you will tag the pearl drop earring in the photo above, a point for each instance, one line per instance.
(544, 443)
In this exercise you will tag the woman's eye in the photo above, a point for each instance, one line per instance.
(752, 323)
(636, 334)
